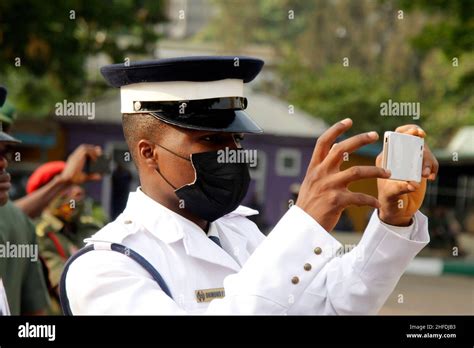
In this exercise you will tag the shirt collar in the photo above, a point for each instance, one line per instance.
(162, 222)
(170, 227)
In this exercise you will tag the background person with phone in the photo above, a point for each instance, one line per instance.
(73, 173)
(64, 221)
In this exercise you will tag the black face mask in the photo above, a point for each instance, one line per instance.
(219, 188)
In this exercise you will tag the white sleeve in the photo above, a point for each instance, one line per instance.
(359, 282)
(405, 231)
(269, 282)
(294, 270)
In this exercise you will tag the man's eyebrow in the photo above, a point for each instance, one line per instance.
(211, 134)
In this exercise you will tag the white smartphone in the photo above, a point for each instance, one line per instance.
(403, 156)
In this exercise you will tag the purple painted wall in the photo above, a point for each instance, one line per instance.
(276, 187)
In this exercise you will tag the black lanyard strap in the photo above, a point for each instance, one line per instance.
(113, 247)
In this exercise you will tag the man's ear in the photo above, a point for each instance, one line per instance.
(147, 153)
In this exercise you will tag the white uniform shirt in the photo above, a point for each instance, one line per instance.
(297, 269)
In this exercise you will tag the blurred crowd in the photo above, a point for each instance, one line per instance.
(54, 218)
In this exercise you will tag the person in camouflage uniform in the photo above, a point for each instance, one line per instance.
(63, 224)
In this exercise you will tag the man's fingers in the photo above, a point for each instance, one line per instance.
(397, 188)
(378, 160)
(98, 150)
(339, 150)
(412, 186)
(93, 177)
(404, 187)
(411, 129)
(326, 140)
(361, 199)
(93, 152)
(360, 172)
(81, 178)
(83, 148)
(430, 164)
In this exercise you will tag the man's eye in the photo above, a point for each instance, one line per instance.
(215, 139)
(210, 138)
(221, 139)
(238, 138)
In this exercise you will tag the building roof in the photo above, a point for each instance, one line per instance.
(462, 144)
(463, 141)
(273, 115)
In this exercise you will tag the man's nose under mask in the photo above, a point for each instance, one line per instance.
(219, 188)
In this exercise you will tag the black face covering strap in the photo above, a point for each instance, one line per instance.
(167, 181)
(159, 171)
(174, 153)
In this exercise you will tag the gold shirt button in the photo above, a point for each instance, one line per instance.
(318, 250)
(295, 280)
(307, 266)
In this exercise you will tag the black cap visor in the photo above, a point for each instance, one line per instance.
(228, 121)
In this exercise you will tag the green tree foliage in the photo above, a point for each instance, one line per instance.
(452, 28)
(45, 45)
(446, 43)
(392, 49)
(338, 92)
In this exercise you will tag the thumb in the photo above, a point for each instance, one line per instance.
(378, 160)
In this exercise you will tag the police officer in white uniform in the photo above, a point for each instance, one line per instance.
(186, 246)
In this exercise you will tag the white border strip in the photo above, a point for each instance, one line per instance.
(425, 266)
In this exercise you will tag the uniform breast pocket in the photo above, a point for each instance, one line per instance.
(191, 305)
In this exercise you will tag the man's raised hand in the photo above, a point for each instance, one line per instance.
(74, 173)
(324, 193)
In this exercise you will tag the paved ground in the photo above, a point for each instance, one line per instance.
(447, 294)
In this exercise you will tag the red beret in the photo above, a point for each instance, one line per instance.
(43, 174)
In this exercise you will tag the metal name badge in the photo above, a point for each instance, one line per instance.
(207, 295)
